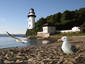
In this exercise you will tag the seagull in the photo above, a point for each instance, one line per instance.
(20, 40)
(66, 46)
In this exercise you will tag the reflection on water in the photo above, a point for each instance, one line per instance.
(45, 41)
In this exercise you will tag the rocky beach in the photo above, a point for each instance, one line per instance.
(50, 53)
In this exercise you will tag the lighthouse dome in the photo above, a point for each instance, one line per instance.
(31, 12)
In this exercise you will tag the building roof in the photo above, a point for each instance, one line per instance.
(48, 24)
(31, 13)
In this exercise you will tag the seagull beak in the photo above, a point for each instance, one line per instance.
(59, 40)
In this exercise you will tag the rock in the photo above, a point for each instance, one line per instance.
(19, 61)
(68, 63)
(7, 56)
(31, 59)
(19, 57)
(61, 60)
(42, 54)
(1, 61)
(7, 61)
(30, 62)
(54, 62)
(80, 60)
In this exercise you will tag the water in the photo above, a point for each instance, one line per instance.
(8, 42)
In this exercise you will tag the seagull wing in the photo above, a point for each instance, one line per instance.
(74, 49)
(17, 39)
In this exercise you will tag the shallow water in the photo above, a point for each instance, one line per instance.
(8, 42)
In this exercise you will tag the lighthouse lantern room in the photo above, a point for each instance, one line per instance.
(31, 19)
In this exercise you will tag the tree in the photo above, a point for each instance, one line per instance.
(83, 27)
(61, 21)
(40, 23)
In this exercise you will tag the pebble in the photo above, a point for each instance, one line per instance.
(44, 54)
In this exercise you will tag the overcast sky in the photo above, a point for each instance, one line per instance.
(13, 13)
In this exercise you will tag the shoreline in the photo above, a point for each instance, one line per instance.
(45, 54)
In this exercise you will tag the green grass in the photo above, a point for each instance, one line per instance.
(70, 34)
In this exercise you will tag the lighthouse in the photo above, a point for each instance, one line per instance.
(31, 19)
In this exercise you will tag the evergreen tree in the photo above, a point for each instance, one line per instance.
(61, 21)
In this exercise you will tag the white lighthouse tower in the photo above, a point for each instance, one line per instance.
(31, 19)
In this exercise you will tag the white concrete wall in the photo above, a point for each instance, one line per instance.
(41, 34)
(45, 29)
(50, 30)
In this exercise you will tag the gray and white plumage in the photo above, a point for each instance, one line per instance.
(21, 40)
(66, 46)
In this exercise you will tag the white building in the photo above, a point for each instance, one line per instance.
(47, 30)
(74, 29)
(31, 19)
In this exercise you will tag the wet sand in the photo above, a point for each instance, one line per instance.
(50, 53)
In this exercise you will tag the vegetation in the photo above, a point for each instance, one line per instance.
(61, 21)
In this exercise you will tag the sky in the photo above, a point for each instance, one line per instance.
(13, 13)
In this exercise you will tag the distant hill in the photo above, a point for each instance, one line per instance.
(18, 35)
